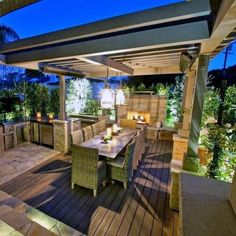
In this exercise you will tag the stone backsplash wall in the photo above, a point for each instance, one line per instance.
(156, 105)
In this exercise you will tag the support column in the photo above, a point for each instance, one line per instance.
(190, 83)
(181, 139)
(60, 127)
(62, 84)
(191, 161)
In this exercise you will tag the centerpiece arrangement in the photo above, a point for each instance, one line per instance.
(111, 131)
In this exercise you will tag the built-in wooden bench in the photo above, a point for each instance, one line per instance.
(205, 209)
(162, 133)
(176, 167)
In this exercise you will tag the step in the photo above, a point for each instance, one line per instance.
(7, 230)
(21, 223)
(25, 213)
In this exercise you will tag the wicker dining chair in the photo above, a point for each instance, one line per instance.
(127, 123)
(88, 133)
(96, 128)
(137, 150)
(87, 170)
(143, 134)
(102, 125)
(77, 137)
(121, 168)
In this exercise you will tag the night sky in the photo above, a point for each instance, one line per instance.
(50, 15)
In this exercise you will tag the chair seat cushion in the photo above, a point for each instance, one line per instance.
(118, 162)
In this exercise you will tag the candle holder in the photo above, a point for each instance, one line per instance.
(109, 133)
(115, 129)
(50, 116)
(38, 115)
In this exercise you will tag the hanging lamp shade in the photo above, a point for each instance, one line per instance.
(107, 98)
(120, 97)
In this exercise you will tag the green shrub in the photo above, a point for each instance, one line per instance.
(220, 139)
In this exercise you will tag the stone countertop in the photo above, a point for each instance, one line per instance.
(43, 120)
(13, 121)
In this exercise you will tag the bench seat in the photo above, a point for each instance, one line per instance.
(205, 208)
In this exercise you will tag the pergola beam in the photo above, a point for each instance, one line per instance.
(59, 70)
(140, 71)
(225, 24)
(2, 59)
(114, 65)
(149, 39)
(155, 16)
(160, 51)
(7, 6)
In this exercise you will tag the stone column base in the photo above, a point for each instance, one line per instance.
(60, 132)
(180, 147)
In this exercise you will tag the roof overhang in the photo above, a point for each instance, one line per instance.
(147, 42)
(7, 6)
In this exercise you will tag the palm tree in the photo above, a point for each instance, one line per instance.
(7, 34)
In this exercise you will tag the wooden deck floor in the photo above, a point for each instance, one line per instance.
(141, 210)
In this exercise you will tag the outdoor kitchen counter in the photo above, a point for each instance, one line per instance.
(41, 131)
(13, 133)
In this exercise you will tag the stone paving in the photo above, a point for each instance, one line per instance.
(21, 159)
(17, 218)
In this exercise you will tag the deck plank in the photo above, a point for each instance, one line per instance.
(148, 193)
(141, 210)
(139, 194)
(117, 220)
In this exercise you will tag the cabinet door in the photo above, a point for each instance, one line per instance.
(46, 134)
(34, 132)
(1, 139)
(9, 141)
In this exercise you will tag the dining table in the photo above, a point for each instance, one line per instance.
(113, 147)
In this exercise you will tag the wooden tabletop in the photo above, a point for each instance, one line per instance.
(111, 149)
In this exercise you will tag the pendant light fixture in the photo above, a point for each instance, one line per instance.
(107, 95)
(120, 96)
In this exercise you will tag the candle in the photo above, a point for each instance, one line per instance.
(38, 115)
(50, 115)
(109, 132)
(115, 128)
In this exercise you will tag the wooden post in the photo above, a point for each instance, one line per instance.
(200, 89)
(62, 84)
(189, 87)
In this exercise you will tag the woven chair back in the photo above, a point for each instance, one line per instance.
(102, 125)
(143, 133)
(77, 137)
(129, 154)
(88, 133)
(96, 128)
(137, 150)
(85, 165)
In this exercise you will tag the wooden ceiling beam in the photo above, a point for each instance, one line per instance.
(224, 25)
(114, 65)
(189, 33)
(170, 13)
